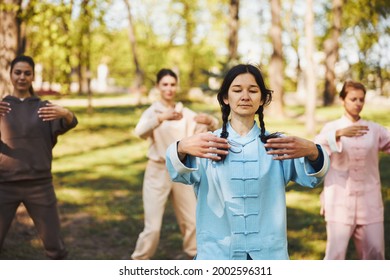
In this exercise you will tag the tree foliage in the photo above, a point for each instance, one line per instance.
(70, 38)
(367, 26)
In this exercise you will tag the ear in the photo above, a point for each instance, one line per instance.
(261, 103)
(226, 101)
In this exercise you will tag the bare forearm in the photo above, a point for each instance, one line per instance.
(69, 116)
(313, 155)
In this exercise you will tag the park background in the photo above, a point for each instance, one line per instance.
(100, 57)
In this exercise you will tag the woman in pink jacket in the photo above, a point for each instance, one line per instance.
(351, 200)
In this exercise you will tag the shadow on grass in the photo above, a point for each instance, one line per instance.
(103, 224)
(101, 205)
(305, 232)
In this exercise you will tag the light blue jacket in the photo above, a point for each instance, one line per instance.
(241, 204)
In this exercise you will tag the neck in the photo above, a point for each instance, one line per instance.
(167, 103)
(21, 94)
(242, 125)
(353, 118)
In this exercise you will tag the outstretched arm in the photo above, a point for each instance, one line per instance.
(352, 131)
(206, 119)
(291, 147)
(52, 112)
(204, 145)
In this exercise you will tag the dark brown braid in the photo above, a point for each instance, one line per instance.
(225, 109)
(225, 115)
(262, 125)
(262, 135)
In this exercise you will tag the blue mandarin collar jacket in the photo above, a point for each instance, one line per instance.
(241, 204)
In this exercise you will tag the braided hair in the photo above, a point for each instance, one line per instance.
(266, 97)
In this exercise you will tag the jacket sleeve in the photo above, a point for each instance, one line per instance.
(327, 139)
(61, 126)
(302, 172)
(205, 128)
(147, 123)
(186, 173)
(384, 139)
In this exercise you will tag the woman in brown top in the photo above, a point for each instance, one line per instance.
(29, 128)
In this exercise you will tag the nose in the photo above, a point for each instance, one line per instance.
(245, 95)
(170, 88)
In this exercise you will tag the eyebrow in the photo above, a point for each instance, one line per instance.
(256, 86)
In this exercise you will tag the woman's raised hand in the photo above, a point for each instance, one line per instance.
(204, 145)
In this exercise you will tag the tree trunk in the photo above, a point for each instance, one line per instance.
(85, 73)
(276, 69)
(310, 76)
(66, 20)
(190, 31)
(291, 28)
(9, 38)
(139, 76)
(233, 26)
(331, 48)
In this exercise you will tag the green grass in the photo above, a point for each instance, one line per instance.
(98, 170)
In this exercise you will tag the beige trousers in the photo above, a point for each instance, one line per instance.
(368, 239)
(157, 187)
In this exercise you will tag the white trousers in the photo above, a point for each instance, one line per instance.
(157, 187)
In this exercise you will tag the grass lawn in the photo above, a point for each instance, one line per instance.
(98, 171)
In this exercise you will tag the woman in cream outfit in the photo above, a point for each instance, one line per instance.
(163, 123)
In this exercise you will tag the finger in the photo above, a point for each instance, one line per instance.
(216, 145)
(215, 139)
(217, 151)
(280, 152)
(5, 109)
(46, 113)
(281, 157)
(278, 146)
(212, 157)
(279, 140)
(47, 116)
(45, 110)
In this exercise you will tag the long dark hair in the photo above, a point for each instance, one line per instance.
(266, 98)
(30, 61)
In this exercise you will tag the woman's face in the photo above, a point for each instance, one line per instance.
(22, 76)
(167, 86)
(354, 102)
(244, 96)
